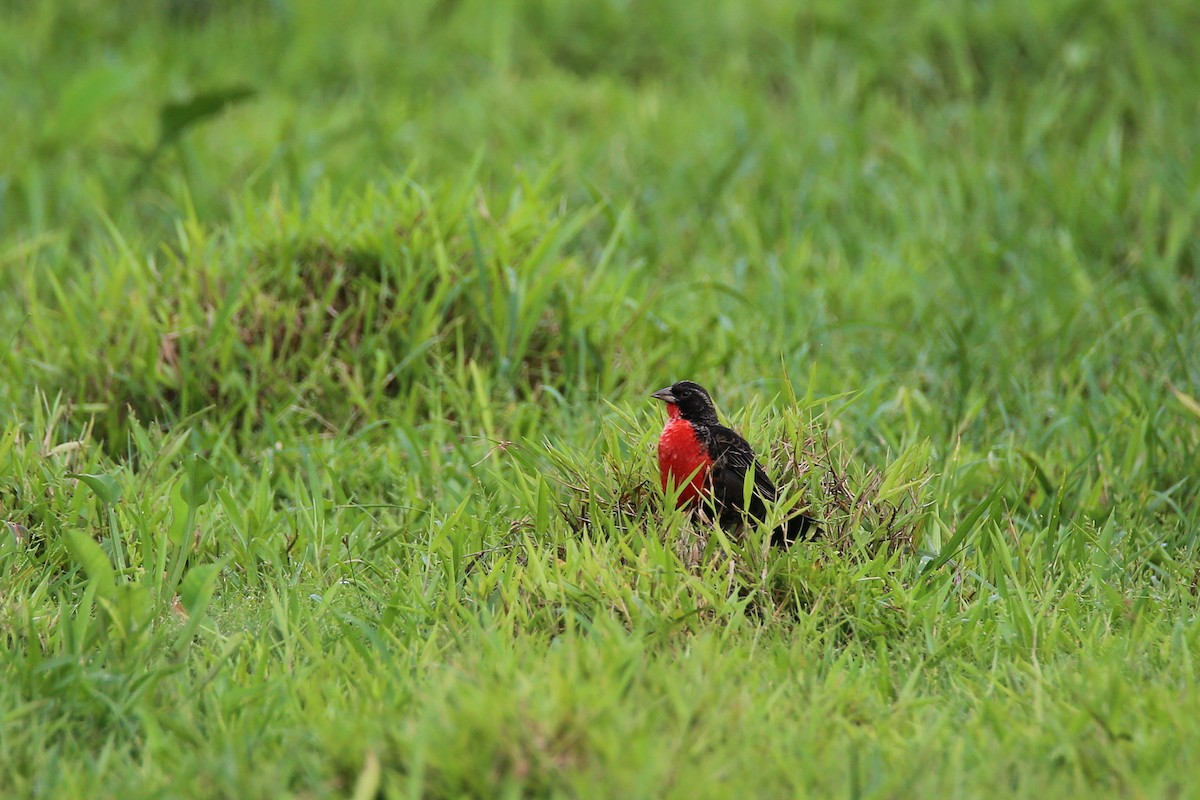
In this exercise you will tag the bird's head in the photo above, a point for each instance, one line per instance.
(689, 400)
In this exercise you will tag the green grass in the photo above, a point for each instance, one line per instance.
(326, 457)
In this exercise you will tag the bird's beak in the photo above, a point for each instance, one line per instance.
(664, 395)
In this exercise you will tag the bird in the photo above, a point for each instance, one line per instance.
(707, 463)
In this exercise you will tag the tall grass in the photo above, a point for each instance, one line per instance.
(326, 462)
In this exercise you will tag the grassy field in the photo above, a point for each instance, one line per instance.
(326, 456)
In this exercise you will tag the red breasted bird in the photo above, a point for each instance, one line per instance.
(706, 461)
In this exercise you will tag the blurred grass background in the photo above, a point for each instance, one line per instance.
(325, 454)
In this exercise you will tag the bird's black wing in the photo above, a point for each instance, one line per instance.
(732, 458)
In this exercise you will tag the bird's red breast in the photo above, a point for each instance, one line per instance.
(683, 461)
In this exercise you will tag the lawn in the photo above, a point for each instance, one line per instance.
(326, 451)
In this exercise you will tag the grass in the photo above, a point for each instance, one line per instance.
(325, 452)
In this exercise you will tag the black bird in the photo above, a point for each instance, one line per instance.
(709, 462)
